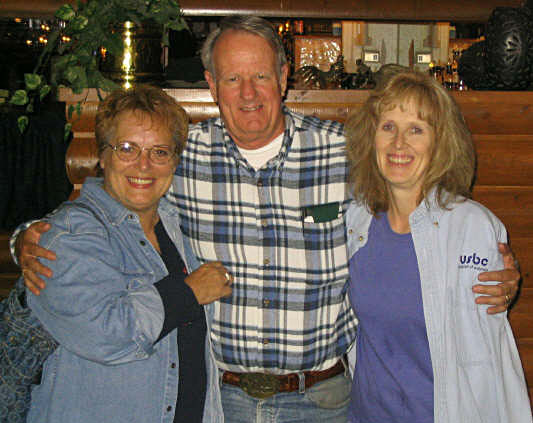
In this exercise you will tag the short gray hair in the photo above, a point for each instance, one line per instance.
(252, 24)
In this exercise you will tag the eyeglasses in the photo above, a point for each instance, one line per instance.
(129, 152)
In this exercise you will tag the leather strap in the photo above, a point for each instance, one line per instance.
(290, 382)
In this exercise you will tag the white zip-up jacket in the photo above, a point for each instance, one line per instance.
(478, 376)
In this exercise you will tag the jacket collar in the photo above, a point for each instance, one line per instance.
(429, 209)
(111, 209)
(288, 135)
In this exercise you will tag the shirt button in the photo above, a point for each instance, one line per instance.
(266, 261)
(143, 242)
(361, 237)
(173, 365)
(350, 231)
(266, 341)
(266, 303)
(264, 222)
(169, 408)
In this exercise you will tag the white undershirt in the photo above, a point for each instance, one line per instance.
(258, 157)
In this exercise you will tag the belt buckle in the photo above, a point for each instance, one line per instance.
(259, 385)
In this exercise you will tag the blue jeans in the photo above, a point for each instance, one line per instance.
(324, 402)
(24, 346)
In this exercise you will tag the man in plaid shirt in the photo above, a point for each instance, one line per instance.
(262, 189)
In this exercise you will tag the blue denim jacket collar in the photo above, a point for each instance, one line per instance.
(111, 208)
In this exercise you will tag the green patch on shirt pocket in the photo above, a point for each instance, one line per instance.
(321, 213)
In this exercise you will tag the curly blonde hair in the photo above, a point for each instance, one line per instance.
(452, 165)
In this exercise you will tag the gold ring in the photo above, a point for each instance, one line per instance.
(507, 299)
(228, 277)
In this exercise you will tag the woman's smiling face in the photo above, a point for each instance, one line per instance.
(139, 184)
(403, 148)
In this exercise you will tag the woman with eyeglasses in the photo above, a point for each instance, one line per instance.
(125, 302)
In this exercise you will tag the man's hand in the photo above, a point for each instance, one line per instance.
(27, 250)
(501, 295)
(210, 282)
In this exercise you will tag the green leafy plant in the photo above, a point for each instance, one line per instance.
(74, 49)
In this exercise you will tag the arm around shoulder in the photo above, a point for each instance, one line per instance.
(90, 305)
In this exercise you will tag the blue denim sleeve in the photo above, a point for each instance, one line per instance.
(91, 306)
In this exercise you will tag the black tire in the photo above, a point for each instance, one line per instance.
(472, 67)
(508, 60)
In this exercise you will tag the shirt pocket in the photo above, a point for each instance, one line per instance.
(325, 251)
(476, 383)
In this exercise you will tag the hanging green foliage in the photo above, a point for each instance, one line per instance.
(74, 49)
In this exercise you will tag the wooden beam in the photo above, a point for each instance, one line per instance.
(406, 10)
(31, 8)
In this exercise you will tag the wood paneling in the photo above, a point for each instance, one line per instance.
(504, 159)
(512, 204)
(522, 324)
(523, 248)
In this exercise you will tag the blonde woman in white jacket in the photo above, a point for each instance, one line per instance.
(425, 351)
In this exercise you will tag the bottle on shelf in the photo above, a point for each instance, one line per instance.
(455, 72)
(438, 74)
(461, 85)
(448, 76)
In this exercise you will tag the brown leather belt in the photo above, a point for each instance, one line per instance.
(264, 385)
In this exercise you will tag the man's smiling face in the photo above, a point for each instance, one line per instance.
(248, 88)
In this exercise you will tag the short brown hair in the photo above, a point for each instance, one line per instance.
(452, 165)
(144, 99)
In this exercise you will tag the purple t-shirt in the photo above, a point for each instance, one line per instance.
(393, 379)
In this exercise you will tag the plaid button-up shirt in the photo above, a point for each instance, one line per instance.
(289, 309)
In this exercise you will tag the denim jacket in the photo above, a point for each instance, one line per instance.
(478, 376)
(102, 308)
